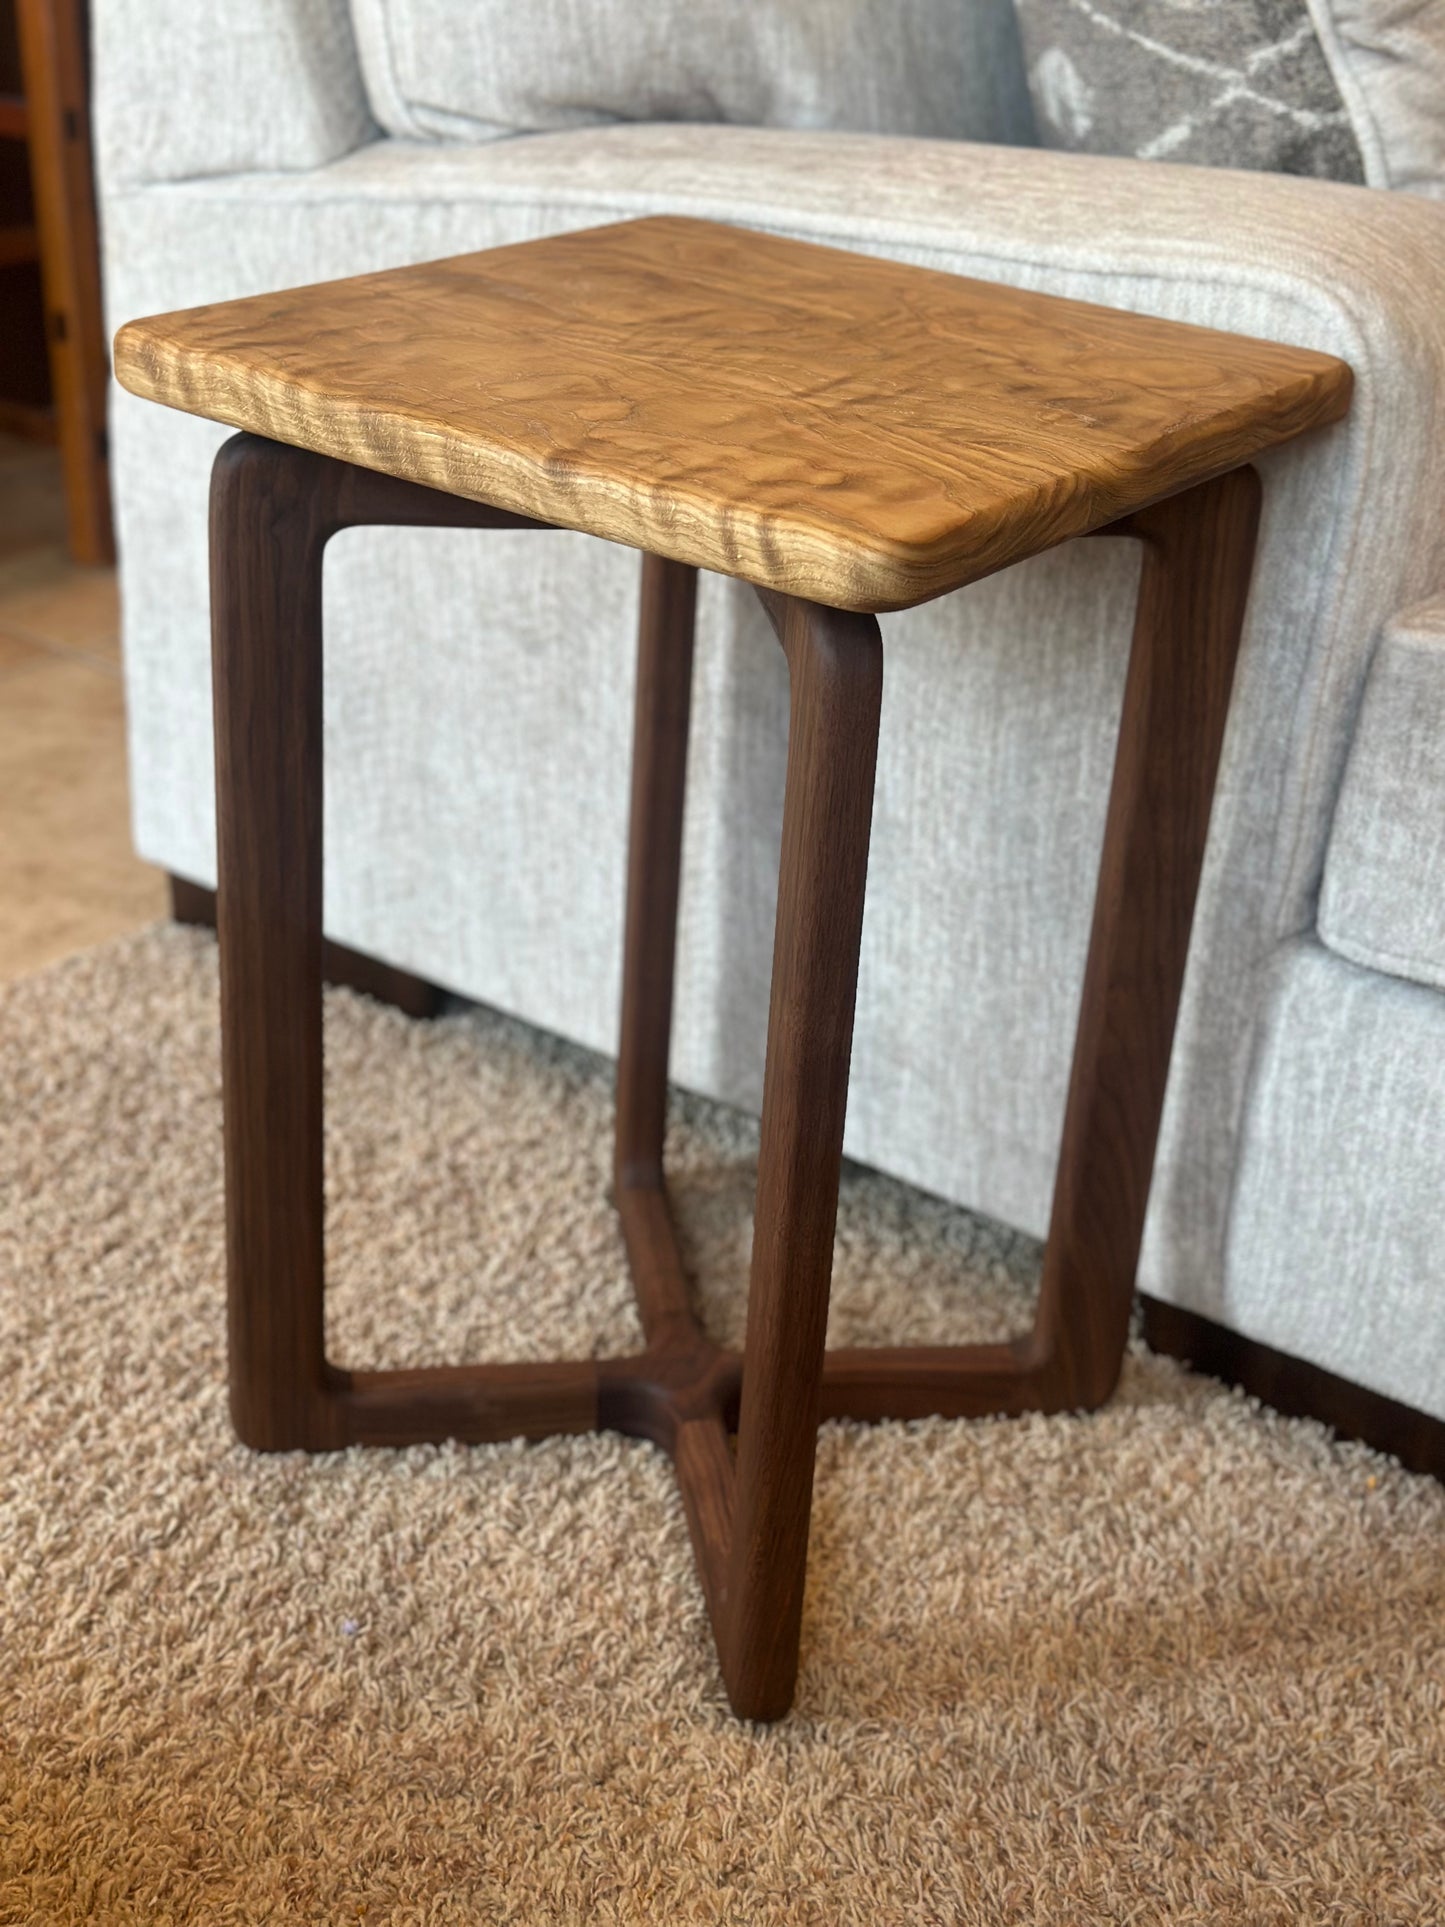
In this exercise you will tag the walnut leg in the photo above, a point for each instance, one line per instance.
(1198, 554)
(836, 667)
(272, 511)
(654, 868)
(267, 535)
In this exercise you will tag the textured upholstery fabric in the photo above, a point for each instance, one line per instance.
(186, 89)
(1335, 1239)
(474, 69)
(455, 790)
(1242, 83)
(1383, 901)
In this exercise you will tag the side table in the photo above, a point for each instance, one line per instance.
(851, 436)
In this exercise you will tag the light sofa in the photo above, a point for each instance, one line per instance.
(1299, 1199)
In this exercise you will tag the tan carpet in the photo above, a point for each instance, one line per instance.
(1180, 1662)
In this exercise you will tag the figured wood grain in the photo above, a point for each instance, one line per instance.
(856, 432)
(273, 509)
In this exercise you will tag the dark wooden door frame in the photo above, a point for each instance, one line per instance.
(54, 54)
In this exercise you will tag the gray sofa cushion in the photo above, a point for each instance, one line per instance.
(476, 69)
(1383, 901)
(1243, 83)
(184, 91)
(1334, 1238)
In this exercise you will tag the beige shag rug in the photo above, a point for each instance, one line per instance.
(1179, 1662)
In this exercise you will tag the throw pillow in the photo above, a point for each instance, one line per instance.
(1388, 60)
(1226, 83)
(1349, 90)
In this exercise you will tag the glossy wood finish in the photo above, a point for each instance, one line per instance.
(741, 1430)
(655, 382)
(193, 903)
(845, 429)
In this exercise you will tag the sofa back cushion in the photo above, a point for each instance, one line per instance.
(476, 69)
(1346, 90)
(185, 90)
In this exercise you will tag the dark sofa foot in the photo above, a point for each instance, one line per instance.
(1295, 1387)
(413, 996)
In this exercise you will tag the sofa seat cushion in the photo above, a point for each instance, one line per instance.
(1333, 1251)
(476, 69)
(1383, 900)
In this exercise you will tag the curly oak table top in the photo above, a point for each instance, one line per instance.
(855, 431)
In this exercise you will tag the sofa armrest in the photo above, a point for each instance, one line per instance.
(185, 89)
(1352, 529)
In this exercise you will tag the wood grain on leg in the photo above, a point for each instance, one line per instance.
(272, 511)
(1198, 555)
(654, 869)
(836, 669)
(268, 528)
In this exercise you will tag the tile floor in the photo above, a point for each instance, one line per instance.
(68, 875)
